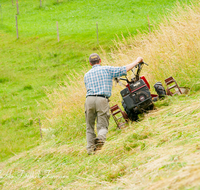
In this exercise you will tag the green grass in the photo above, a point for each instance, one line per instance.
(163, 144)
(37, 61)
(132, 156)
(77, 19)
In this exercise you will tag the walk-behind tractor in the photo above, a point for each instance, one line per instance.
(136, 96)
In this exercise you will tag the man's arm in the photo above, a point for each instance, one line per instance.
(130, 66)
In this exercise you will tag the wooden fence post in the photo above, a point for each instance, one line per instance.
(57, 32)
(12, 3)
(17, 27)
(149, 24)
(40, 3)
(40, 128)
(39, 54)
(17, 4)
(1, 13)
(97, 33)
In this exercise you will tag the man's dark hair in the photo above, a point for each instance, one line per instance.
(94, 62)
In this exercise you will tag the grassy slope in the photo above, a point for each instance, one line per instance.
(36, 60)
(159, 152)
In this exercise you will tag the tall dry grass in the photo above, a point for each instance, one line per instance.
(171, 50)
(64, 107)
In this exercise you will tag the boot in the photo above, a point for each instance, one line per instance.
(99, 143)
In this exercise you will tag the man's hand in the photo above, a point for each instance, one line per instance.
(130, 66)
(139, 59)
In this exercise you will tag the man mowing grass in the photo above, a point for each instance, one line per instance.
(98, 83)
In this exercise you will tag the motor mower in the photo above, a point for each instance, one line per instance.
(136, 97)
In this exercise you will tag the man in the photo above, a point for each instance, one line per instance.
(98, 83)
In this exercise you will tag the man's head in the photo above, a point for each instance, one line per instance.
(94, 59)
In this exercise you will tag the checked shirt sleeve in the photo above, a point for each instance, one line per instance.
(117, 71)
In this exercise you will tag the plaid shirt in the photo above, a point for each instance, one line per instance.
(98, 81)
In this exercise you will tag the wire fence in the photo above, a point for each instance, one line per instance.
(40, 4)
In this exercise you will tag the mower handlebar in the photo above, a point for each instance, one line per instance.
(123, 79)
(140, 64)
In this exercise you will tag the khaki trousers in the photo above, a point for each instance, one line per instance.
(96, 108)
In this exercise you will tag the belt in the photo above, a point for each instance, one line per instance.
(99, 96)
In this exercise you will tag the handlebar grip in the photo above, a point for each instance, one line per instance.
(144, 63)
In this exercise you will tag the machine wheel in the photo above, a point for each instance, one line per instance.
(160, 90)
(131, 114)
(150, 107)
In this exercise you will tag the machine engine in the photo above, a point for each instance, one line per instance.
(136, 99)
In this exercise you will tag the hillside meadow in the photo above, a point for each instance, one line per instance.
(160, 151)
(171, 50)
(37, 62)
